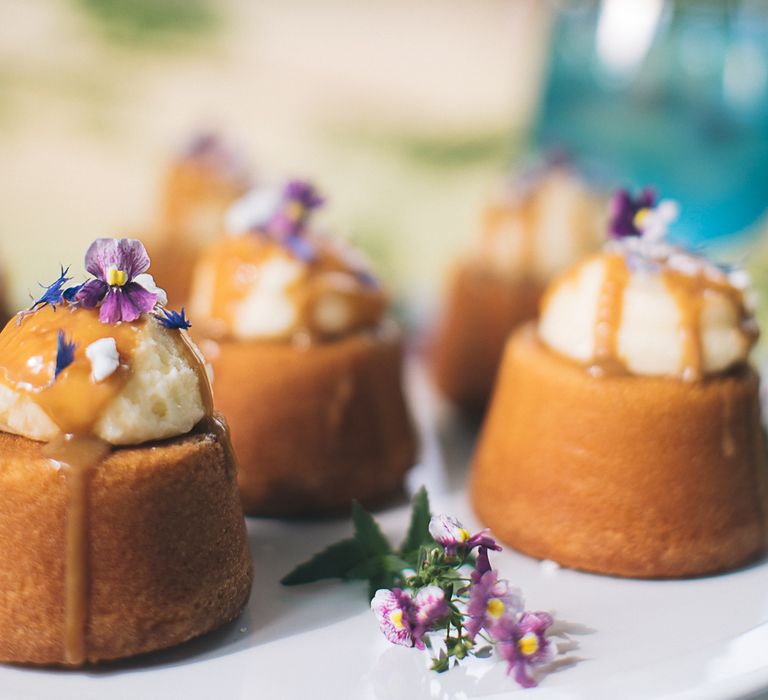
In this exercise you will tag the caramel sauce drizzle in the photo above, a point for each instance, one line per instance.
(609, 311)
(689, 292)
(191, 186)
(75, 403)
(236, 263)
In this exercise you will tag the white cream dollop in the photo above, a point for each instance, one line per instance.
(104, 358)
(545, 228)
(162, 399)
(651, 332)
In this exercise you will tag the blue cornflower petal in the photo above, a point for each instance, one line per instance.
(65, 353)
(299, 247)
(53, 293)
(70, 293)
(173, 319)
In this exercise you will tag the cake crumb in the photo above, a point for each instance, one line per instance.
(548, 566)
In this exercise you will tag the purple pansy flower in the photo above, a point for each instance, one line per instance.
(623, 210)
(523, 644)
(491, 602)
(448, 532)
(121, 287)
(298, 200)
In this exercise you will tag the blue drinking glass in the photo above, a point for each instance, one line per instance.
(673, 94)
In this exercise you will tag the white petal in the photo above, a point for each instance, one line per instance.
(104, 358)
(148, 282)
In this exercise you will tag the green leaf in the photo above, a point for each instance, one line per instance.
(381, 580)
(367, 531)
(334, 562)
(483, 652)
(418, 530)
(394, 564)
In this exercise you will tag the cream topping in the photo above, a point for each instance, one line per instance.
(253, 286)
(649, 308)
(144, 386)
(540, 229)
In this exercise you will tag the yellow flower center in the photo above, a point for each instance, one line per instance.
(463, 535)
(295, 211)
(396, 618)
(495, 608)
(641, 217)
(116, 278)
(528, 644)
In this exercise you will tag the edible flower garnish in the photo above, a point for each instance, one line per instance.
(626, 213)
(438, 591)
(212, 151)
(281, 214)
(523, 644)
(120, 288)
(53, 294)
(65, 353)
(173, 319)
(299, 199)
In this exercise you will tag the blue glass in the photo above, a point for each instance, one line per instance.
(680, 102)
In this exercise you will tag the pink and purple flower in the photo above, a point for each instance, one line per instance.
(492, 602)
(121, 289)
(450, 534)
(524, 646)
(404, 619)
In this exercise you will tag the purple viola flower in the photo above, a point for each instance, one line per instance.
(491, 603)
(623, 210)
(393, 610)
(121, 288)
(448, 532)
(523, 645)
(65, 353)
(298, 200)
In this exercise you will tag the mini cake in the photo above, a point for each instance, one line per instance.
(307, 365)
(535, 229)
(121, 530)
(624, 435)
(200, 185)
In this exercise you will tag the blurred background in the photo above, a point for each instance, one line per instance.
(405, 113)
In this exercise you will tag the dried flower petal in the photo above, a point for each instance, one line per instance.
(65, 353)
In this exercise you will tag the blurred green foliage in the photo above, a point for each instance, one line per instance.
(152, 21)
(492, 147)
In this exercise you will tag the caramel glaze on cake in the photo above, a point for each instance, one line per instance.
(197, 190)
(317, 411)
(482, 307)
(499, 287)
(110, 552)
(315, 427)
(611, 472)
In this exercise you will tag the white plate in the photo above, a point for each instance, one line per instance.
(702, 638)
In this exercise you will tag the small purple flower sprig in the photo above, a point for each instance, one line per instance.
(440, 602)
(438, 591)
